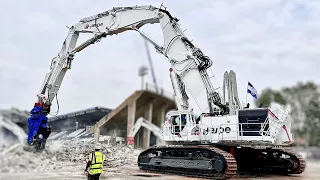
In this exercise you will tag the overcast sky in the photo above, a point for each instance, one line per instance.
(270, 43)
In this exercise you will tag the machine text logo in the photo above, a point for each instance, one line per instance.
(216, 130)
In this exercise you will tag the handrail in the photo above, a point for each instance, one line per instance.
(214, 132)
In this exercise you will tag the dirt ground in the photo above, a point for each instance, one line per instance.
(74, 171)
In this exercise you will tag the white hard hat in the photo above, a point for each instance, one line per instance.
(97, 146)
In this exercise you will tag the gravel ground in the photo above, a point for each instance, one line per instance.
(66, 160)
(73, 171)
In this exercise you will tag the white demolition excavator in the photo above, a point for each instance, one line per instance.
(223, 141)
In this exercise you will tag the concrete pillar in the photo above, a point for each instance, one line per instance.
(96, 133)
(146, 132)
(138, 139)
(162, 114)
(130, 121)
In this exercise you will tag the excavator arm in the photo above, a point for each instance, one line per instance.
(188, 63)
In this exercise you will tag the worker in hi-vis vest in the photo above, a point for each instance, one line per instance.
(95, 164)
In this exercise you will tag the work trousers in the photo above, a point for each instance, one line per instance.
(93, 177)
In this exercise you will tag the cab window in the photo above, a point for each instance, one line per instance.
(183, 119)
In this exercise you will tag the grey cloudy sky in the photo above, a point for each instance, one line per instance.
(272, 43)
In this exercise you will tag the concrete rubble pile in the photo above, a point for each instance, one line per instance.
(15, 115)
(25, 161)
(13, 154)
(77, 151)
(59, 152)
(10, 131)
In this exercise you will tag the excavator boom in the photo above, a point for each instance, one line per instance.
(188, 63)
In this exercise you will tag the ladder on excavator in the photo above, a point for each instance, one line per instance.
(273, 124)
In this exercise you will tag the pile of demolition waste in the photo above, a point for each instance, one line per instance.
(16, 159)
(57, 152)
(16, 155)
(10, 131)
(15, 115)
(77, 151)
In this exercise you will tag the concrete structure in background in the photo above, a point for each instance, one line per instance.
(17, 116)
(114, 126)
(145, 103)
(75, 125)
(77, 120)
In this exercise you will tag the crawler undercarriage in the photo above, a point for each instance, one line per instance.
(220, 161)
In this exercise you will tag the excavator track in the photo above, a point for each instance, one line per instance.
(192, 161)
(298, 161)
(268, 161)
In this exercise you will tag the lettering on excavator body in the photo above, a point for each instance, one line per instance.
(215, 130)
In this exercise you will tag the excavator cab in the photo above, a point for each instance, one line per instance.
(178, 120)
